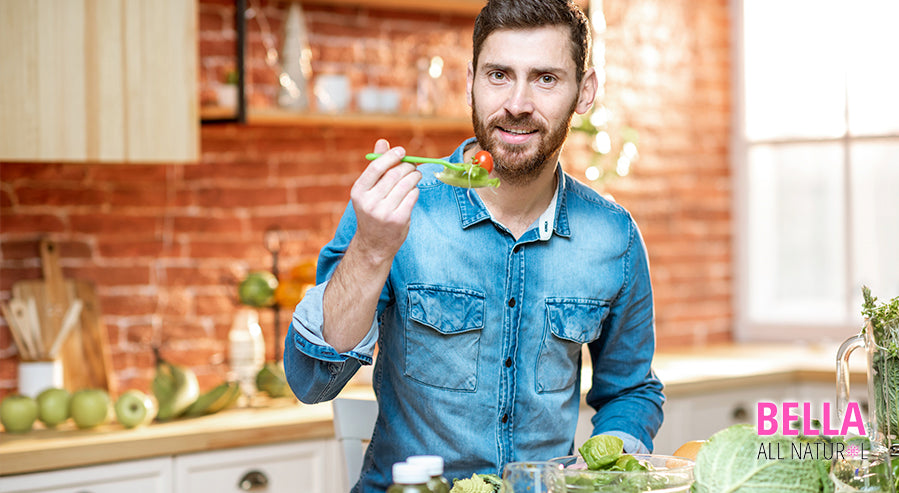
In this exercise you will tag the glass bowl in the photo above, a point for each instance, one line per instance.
(666, 473)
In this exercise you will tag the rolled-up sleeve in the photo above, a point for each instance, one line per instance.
(315, 371)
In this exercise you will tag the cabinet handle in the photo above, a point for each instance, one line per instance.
(739, 413)
(253, 481)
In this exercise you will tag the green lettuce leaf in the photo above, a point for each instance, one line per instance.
(731, 462)
(600, 451)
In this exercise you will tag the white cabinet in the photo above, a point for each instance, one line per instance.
(311, 467)
(699, 414)
(142, 476)
(308, 466)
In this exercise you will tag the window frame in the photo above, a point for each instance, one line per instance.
(744, 327)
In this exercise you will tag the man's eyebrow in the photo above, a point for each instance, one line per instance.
(489, 67)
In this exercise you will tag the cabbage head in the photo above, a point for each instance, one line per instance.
(730, 463)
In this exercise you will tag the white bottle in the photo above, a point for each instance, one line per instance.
(433, 464)
(246, 349)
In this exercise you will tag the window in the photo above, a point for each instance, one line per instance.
(816, 164)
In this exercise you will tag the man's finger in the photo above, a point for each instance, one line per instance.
(382, 146)
(376, 169)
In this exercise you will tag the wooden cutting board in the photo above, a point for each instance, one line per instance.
(85, 354)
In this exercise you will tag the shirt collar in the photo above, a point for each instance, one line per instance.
(472, 209)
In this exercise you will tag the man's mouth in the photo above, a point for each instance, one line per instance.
(517, 131)
(516, 135)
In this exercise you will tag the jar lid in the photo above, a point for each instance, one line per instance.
(432, 463)
(406, 473)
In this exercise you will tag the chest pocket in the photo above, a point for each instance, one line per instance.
(570, 323)
(443, 333)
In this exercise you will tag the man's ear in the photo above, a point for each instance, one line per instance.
(469, 80)
(589, 86)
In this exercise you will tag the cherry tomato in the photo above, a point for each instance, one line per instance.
(484, 160)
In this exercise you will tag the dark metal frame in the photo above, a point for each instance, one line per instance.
(240, 25)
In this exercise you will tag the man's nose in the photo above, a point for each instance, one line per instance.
(520, 100)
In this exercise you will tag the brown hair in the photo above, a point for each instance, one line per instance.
(528, 14)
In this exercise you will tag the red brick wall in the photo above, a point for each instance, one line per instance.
(167, 244)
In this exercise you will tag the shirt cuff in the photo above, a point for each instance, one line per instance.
(631, 444)
(308, 322)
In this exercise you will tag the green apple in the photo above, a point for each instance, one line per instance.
(18, 413)
(53, 406)
(134, 408)
(89, 407)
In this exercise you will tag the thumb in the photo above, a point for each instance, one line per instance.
(382, 146)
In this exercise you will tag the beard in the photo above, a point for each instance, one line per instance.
(512, 163)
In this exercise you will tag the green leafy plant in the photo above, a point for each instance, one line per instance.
(884, 320)
(606, 144)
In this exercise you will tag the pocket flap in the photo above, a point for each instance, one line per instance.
(447, 310)
(576, 319)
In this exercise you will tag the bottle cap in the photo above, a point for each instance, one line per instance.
(405, 473)
(432, 463)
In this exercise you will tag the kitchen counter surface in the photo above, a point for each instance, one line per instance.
(683, 371)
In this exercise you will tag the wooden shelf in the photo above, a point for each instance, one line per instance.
(358, 120)
(468, 7)
(461, 7)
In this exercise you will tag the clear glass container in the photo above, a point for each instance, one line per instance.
(666, 474)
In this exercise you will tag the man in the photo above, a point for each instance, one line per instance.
(480, 300)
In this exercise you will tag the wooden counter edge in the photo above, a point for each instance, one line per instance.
(42, 450)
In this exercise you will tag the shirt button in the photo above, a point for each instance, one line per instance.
(516, 248)
(508, 362)
(511, 302)
(505, 418)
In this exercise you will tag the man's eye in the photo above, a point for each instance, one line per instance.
(497, 75)
(547, 79)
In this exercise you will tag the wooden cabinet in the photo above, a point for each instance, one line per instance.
(99, 81)
(141, 476)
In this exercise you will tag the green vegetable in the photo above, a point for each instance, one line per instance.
(464, 175)
(475, 484)
(472, 177)
(731, 462)
(493, 480)
(601, 451)
(884, 320)
(879, 471)
(628, 463)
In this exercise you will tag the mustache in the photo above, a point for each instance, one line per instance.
(517, 121)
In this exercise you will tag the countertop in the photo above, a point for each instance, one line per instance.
(686, 371)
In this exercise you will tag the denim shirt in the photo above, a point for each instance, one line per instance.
(480, 335)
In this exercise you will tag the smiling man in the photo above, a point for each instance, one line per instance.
(480, 301)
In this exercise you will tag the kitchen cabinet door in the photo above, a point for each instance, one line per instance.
(142, 476)
(309, 466)
(99, 81)
(697, 416)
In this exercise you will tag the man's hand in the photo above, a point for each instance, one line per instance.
(383, 197)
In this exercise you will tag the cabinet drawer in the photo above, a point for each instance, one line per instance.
(142, 476)
(290, 467)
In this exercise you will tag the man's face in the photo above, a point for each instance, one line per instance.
(523, 94)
